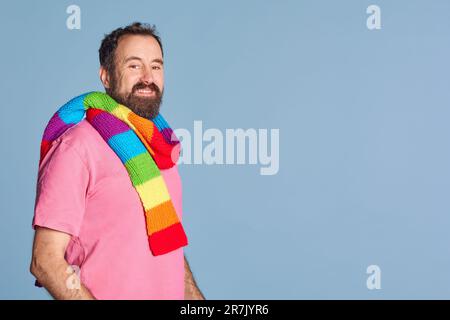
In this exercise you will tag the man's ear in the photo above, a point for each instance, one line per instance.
(104, 77)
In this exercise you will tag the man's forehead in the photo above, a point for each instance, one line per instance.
(138, 46)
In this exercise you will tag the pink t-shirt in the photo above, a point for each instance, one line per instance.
(84, 190)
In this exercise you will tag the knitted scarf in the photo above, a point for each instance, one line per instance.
(144, 147)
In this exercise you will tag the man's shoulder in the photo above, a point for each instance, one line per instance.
(81, 136)
(83, 139)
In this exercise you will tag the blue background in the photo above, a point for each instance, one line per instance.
(364, 138)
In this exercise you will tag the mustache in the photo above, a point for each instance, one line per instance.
(151, 86)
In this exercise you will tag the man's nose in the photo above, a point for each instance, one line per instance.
(147, 75)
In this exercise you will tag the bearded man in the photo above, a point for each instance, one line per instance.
(108, 207)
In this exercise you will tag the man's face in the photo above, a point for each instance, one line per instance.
(138, 78)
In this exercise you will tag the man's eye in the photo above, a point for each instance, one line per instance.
(134, 66)
(156, 67)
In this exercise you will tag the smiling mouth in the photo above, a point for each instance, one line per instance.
(145, 92)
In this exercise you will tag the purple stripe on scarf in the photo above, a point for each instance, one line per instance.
(55, 128)
(169, 136)
(108, 125)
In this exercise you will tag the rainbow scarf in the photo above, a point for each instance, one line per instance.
(144, 147)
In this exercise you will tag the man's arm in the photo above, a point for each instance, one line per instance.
(52, 270)
(191, 291)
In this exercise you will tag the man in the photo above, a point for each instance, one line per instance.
(90, 240)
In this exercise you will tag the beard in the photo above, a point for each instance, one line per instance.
(146, 107)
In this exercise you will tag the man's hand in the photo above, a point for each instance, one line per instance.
(191, 291)
(52, 270)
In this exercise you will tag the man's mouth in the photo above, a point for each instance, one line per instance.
(145, 92)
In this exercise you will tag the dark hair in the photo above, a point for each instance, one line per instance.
(109, 43)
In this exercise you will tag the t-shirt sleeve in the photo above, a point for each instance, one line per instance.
(61, 190)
